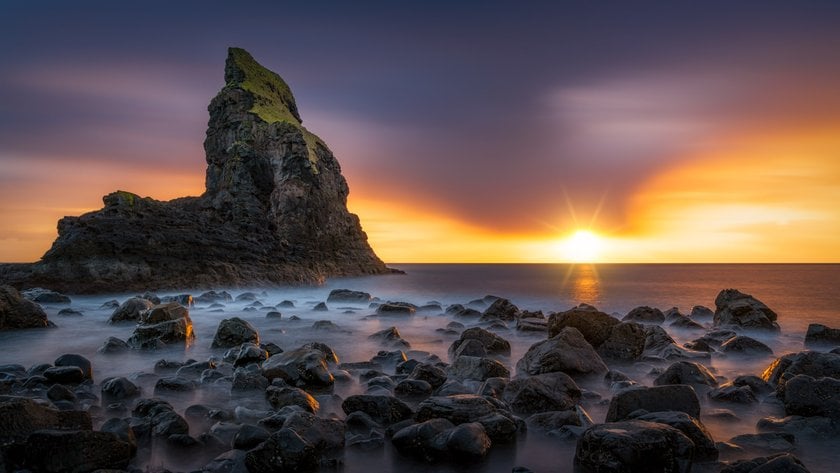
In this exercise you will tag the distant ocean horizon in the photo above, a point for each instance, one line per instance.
(800, 292)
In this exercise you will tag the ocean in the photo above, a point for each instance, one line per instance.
(800, 294)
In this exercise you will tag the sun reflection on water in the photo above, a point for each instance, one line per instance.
(582, 284)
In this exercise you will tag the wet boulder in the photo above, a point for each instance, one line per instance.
(811, 363)
(567, 352)
(820, 335)
(626, 341)
(280, 397)
(778, 463)
(766, 442)
(672, 397)
(559, 423)
(302, 367)
(541, 393)
(413, 389)
(162, 325)
(685, 323)
(735, 308)
(72, 359)
(730, 393)
(432, 374)
(17, 312)
(458, 310)
(498, 422)
(349, 296)
(64, 374)
(686, 372)
(593, 324)
(130, 310)
(502, 309)
(74, 451)
(19, 417)
(45, 296)
(645, 315)
(704, 445)
(114, 345)
(210, 297)
(701, 312)
(476, 368)
(233, 332)
(660, 346)
(119, 389)
(808, 396)
(284, 450)
(745, 346)
(391, 337)
(384, 410)
(634, 447)
(439, 439)
(396, 308)
(493, 344)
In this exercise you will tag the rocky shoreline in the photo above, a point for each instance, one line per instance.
(618, 393)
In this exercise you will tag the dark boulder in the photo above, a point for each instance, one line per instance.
(820, 335)
(704, 445)
(541, 393)
(119, 389)
(634, 447)
(45, 296)
(233, 332)
(302, 367)
(79, 361)
(672, 397)
(280, 397)
(743, 310)
(686, 372)
(764, 443)
(498, 423)
(593, 324)
(65, 374)
(284, 450)
(439, 439)
(811, 363)
(114, 345)
(396, 308)
(808, 396)
(558, 423)
(19, 417)
(348, 296)
(645, 315)
(626, 341)
(163, 325)
(745, 346)
(493, 344)
(731, 393)
(660, 346)
(384, 410)
(567, 352)
(16, 312)
(475, 368)
(502, 309)
(390, 336)
(130, 310)
(778, 463)
(432, 374)
(75, 451)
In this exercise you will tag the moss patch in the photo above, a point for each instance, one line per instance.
(273, 99)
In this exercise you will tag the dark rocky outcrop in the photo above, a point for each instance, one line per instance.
(634, 447)
(819, 334)
(735, 308)
(18, 312)
(672, 397)
(233, 332)
(567, 351)
(274, 210)
(811, 363)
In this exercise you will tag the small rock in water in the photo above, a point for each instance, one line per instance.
(45, 296)
(233, 332)
(76, 360)
(634, 446)
(18, 312)
(743, 310)
(674, 397)
(645, 315)
(746, 346)
(349, 296)
(820, 335)
(130, 310)
(68, 312)
(321, 307)
(777, 463)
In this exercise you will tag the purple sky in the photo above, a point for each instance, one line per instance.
(489, 112)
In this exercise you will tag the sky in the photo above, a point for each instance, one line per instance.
(468, 131)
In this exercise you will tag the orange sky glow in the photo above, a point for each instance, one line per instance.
(763, 198)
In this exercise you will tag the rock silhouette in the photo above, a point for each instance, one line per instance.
(274, 210)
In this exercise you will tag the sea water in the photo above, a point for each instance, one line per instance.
(800, 294)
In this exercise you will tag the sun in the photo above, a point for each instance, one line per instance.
(583, 246)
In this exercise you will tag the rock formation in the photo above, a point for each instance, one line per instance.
(274, 210)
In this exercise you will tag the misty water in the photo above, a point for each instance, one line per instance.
(800, 294)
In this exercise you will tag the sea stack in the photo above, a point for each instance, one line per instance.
(274, 210)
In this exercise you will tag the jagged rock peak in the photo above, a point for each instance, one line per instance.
(274, 210)
(273, 99)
